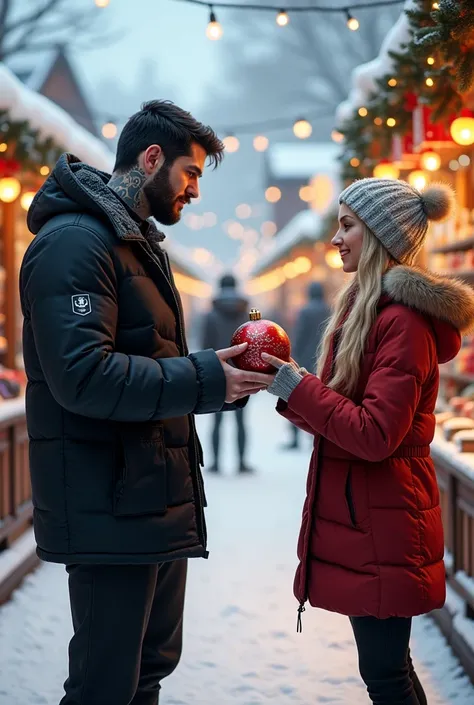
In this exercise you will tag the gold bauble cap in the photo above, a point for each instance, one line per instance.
(255, 314)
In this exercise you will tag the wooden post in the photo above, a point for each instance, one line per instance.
(11, 284)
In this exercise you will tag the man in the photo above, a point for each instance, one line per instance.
(229, 311)
(307, 335)
(114, 455)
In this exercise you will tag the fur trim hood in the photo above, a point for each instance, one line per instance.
(442, 298)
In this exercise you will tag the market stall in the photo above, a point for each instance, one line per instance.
(410, 115)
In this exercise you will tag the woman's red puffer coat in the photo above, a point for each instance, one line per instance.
(371, 540)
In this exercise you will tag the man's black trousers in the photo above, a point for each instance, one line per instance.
(128, 625)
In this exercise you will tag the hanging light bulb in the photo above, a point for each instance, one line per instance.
(417, 179)
(352, 22)
(27, 199)
(282, 18)
(302, 129)
(109, 130)
(386, 170)
(214, 29)
(462, 130)
(260, 143)
(431, 161)
(231, 143)
(10, 189)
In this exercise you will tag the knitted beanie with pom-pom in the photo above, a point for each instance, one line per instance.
(397, 213)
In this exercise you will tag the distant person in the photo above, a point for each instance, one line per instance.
(306, 338)
(229, 311)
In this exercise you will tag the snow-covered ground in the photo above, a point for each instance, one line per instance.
(241, 645)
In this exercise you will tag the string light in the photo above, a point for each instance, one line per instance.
(306, 194)
(464, 160)
(378, 121)
(273, 194)
(462, 130)
(391, 122)
(363, 112)
(454, 165)
(27, 199)
(214, 29)
(302, 129)
(260, 143)
(102, 3)
(282, 18)
(231, 143)
(268, 228)
(430, 60)
(337, 136)
(243, 211)
(431, 161)
(417, 179)
(10, 189)
(435, 6)
(352, 22)
(392, 82)
(44, 171)
(386, 170)
(355, 162)
(109, 130)
(3, 146)
(429, 81)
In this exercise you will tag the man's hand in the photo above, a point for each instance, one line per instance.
(239, 382)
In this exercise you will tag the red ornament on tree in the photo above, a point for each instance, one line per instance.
(262, 336)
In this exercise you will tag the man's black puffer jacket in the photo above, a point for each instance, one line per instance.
(112, 390)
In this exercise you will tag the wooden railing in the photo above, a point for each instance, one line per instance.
(457, 506)
(15, 490)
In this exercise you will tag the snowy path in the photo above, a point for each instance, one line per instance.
(241, 645)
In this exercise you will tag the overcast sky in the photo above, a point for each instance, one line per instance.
(170, 32)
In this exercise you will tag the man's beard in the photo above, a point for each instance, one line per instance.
(161, 197)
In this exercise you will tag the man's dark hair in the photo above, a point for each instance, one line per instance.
(162, 122)
(228, 281)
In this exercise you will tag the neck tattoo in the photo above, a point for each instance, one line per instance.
(129, 187)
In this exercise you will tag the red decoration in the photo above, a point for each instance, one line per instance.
(9, 167)
(402, 151)
(427, 134)
(262, 336)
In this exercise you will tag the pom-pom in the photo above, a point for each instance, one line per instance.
(439, 201)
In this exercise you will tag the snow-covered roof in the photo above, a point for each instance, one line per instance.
(364, 77)
(304, 227)
(287, 160)
(50, 120)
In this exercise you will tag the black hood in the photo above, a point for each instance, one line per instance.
(230, 302)
(77, 187)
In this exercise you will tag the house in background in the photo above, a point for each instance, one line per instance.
(52, 74)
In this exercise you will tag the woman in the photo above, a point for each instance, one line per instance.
(371, 543)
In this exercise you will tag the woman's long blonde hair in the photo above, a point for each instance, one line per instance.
(361, 295)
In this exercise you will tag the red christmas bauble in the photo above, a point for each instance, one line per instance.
(262, 336)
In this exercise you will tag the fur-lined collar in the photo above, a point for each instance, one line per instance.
(439, 297)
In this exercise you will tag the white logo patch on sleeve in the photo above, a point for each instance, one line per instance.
(81, 304)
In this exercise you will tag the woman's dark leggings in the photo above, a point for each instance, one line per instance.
(384, 660)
